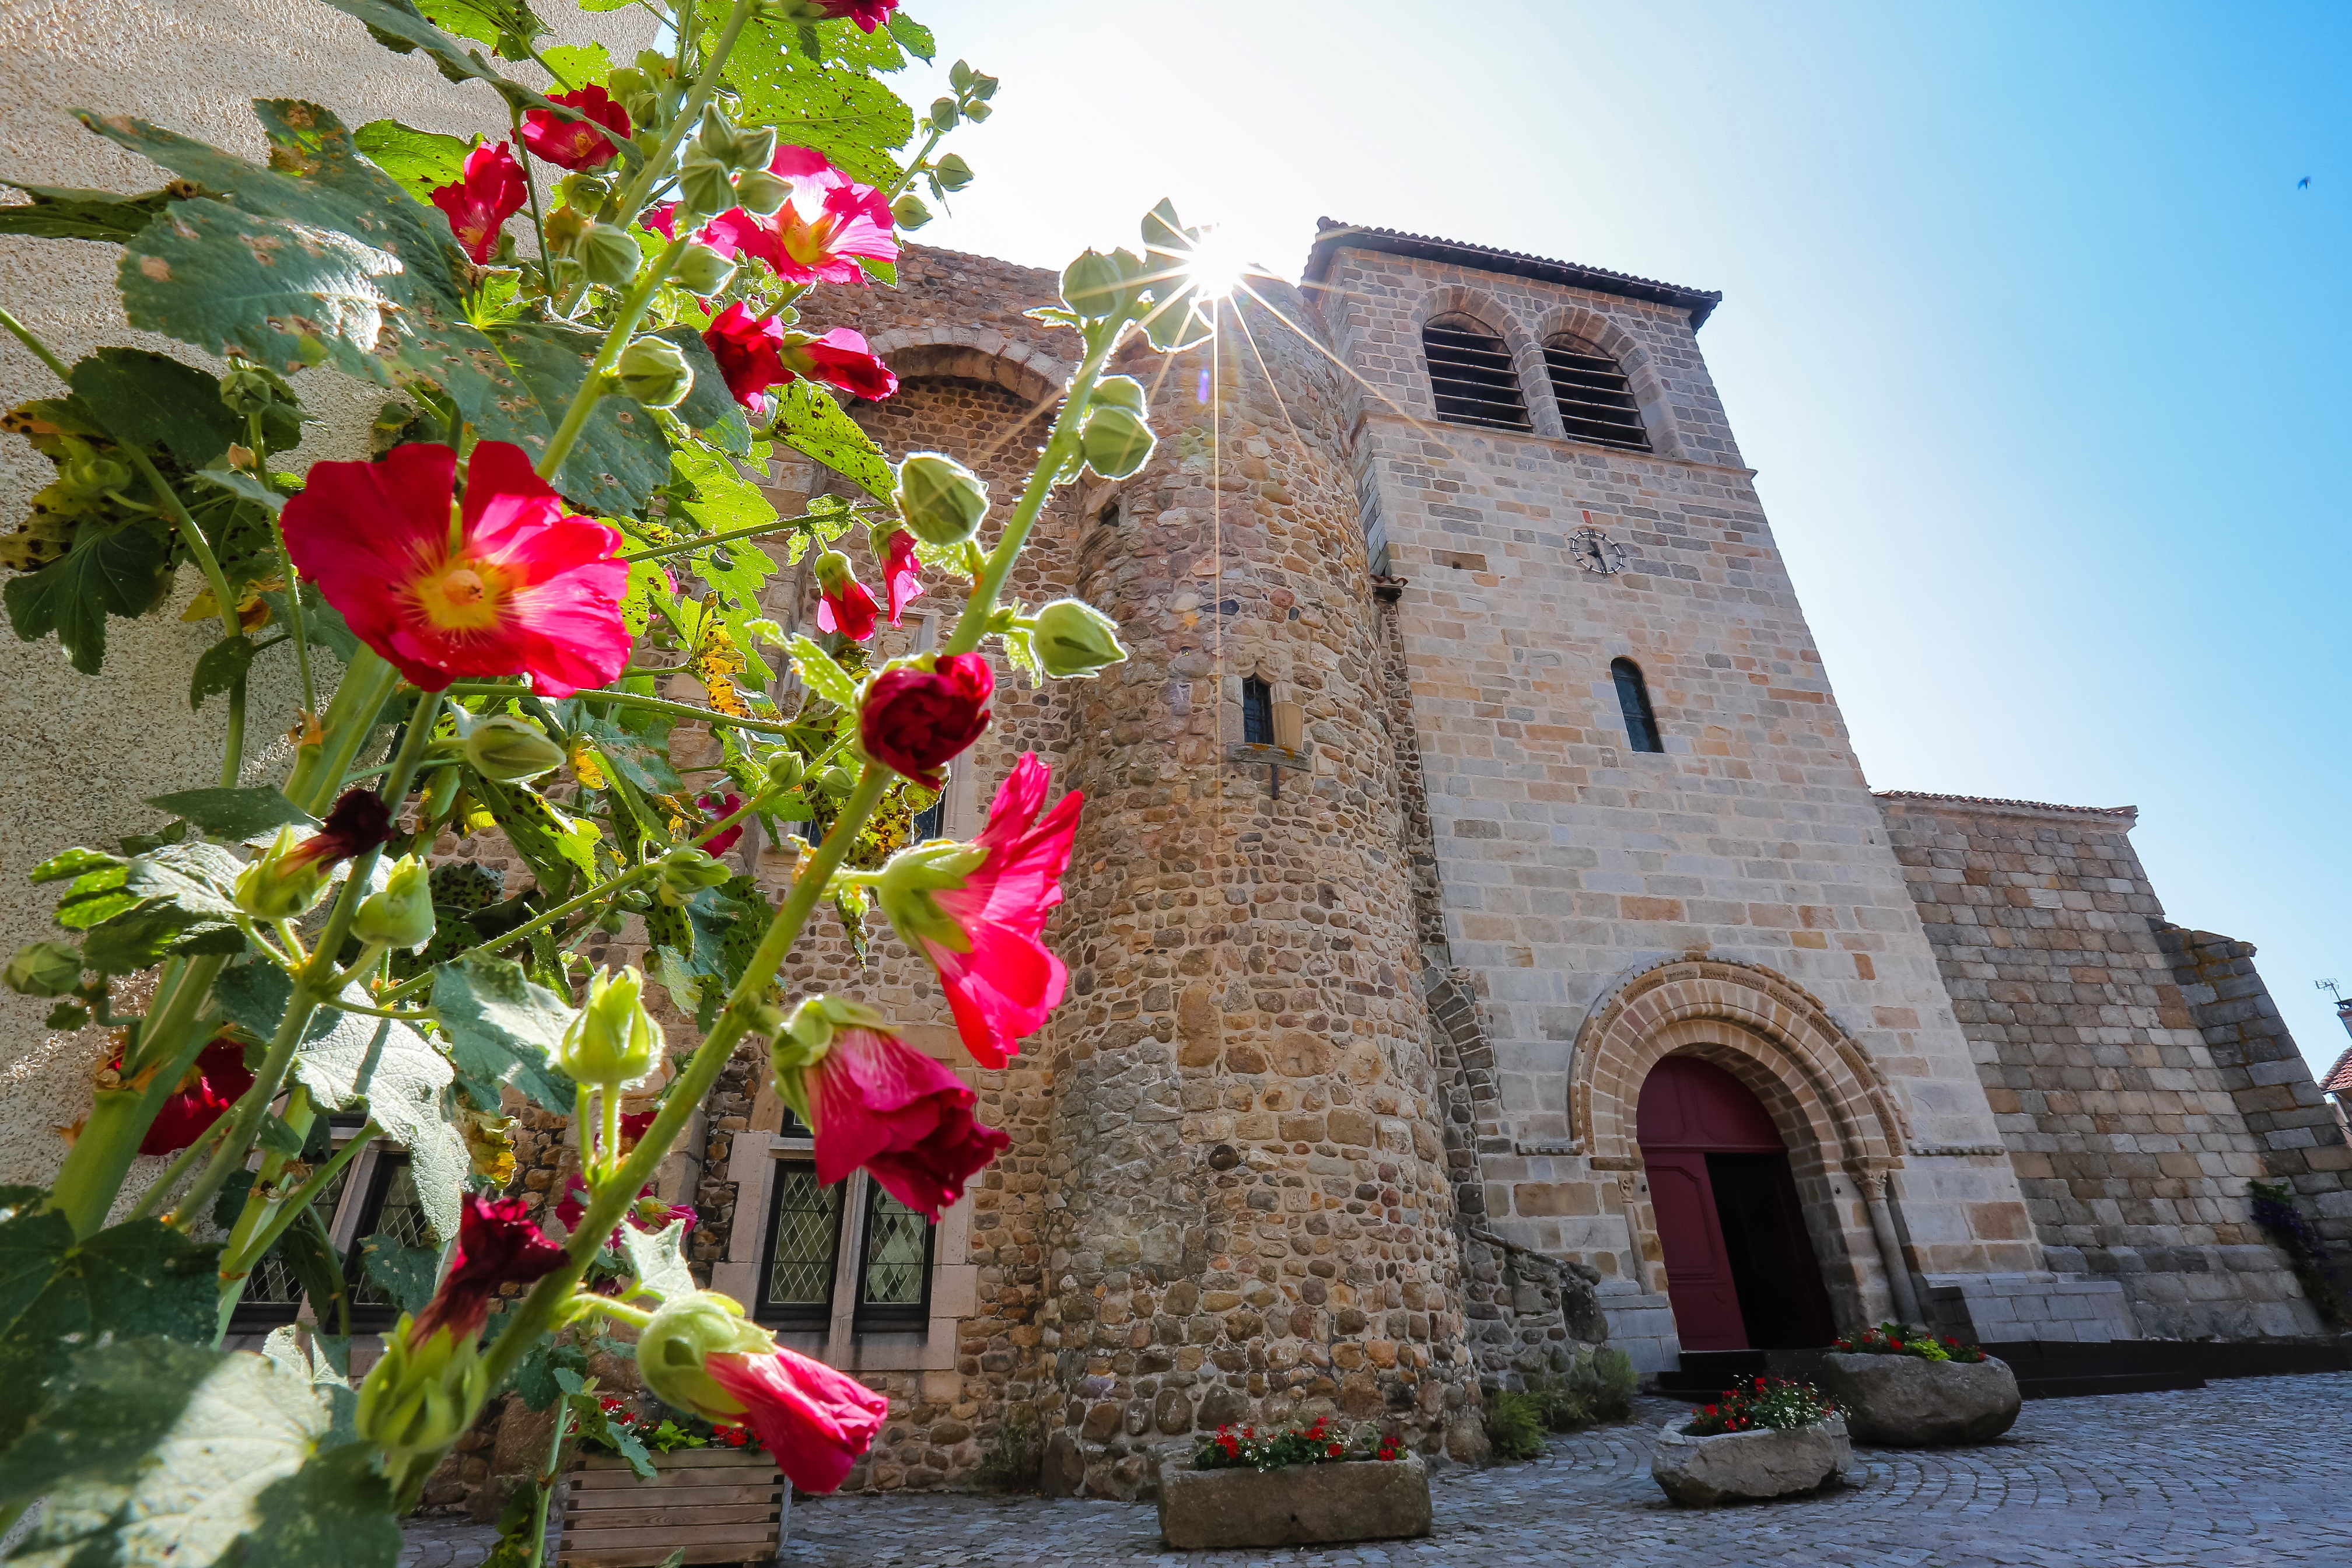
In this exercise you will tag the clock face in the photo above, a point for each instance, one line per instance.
(1597, 553)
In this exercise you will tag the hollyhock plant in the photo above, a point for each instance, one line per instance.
(916, 719)
(840, 359)
(648, 1213)
(576, 143)
(844, 605)
(721, 806)
(698, 1354)
(748, 351)
(901, 575)
(979, 923)
(822, 230)
(522, 589)
(881, 1104)
(210, 1087)
(477, 205)
(868, 14)
(498, 1244)
(288, 877)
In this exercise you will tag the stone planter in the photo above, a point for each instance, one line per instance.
(1904, 1401)
(722, 1505)
(1301, 1505)
(1741, 1467)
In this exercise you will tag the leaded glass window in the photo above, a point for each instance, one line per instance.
(273, 1295)
(1257, 712)
(893, 1274)
(393, 1211)
(804, 1243)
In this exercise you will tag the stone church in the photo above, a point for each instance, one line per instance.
(1484, 939)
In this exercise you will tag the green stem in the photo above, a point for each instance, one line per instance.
(547, 1487)
(233, 748)
(630, 699)
(592, 390)
(290, 1209)
(915, 165)
(619, 1311)
(530, 184)
(294, 614)
(174, 1171)
(702, 1069)
(680, 547)
(600, 891)
(239, 1254)
(318, 773)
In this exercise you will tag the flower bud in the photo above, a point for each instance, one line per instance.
(628, 82)
(508, 749)
(283, 883)
(44, 968)
(760, 192)
(1092, 285)
(609, 255)
(944, 114)
(645, 113)
(401, 914)
(583, 191)
(1116, 441)
(909, 212)
(247, 392)
(1072, 639)
(715, 136)
(702, 270)
(836, 780)
(1118, 392)
(703, 184)
(420, 1397)
(755, 146)
(673, 1350)
(942, 501)
(785, 767)
(652, 371)
(611, 1042)
(952, 173)
(686, 871)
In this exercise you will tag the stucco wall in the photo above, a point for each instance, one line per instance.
(87, 752)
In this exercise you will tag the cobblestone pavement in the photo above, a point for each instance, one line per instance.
(2245, 1472)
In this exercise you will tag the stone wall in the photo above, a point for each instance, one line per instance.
(2123, 1128)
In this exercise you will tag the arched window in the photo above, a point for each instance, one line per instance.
(1634, 698)
(1471, 376)
(1257, 712)
(1596, 404)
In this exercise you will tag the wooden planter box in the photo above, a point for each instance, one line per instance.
(722, 1505)
(1747, 1467)
(1300, 1505)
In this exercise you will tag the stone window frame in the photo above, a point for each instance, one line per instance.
(954, 1279)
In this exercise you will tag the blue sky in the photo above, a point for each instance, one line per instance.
(2039, 349)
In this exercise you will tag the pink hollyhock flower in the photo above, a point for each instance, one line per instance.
(215, 1082)
(722, 806)
(574, 143)
(497, 1245)
(648, 1213)
(840, 359)
(522, 589)
(478, 204)
(902, 1115)
(868, 14)
(814, 1421)
(662, 220)
(901, 574)
(748, 350)
(980, 930)
(819, 233)
(844, 605)
(914, 720)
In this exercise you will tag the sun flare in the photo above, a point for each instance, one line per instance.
(1217, 264)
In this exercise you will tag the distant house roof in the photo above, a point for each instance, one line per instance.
(1330, 235)
(2339, 1076)
(2129, 813)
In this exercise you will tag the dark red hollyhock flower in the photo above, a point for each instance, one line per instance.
(916, 719)
(720, 807)
(497, 1245)
(573, 144)
(216, 1081)
(881, 1104)
(356, 823)
(633, 1127)
(748, 352)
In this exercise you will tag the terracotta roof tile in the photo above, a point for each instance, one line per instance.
(1331, 234)
(2339, 1076)
(2130, 811)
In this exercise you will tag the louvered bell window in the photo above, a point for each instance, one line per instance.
(1470, 376)
(1596, 404)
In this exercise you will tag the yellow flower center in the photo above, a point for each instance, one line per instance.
(465, 596)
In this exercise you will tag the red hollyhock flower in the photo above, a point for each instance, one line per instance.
(868, 14)
(814, 1421)
(497, 1245)
(723, 807)
(901, 575)
(574, 143)
(648, 1213)
(844, 605)
(523, 590)
(882, 1105)
(748, 349)
(662, 220)
(1001, 980)
(915, 719)
(477, 205)
(215, 1081)
(356, 823)
(819, 233)
(841, 359)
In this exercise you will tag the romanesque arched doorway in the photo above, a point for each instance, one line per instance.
(1740, 1268)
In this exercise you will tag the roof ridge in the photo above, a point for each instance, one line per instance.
(2131, 811)
(1329, 233)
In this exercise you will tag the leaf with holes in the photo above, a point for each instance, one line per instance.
(402, 1272)
(811, 423)
(839, 112)
(321, 259)
(422, 161)
(821, 675)
(121, 572)
(656, 1260)
(502, 1030)
(221, 668)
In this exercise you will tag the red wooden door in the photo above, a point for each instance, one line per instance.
(1689, 1109)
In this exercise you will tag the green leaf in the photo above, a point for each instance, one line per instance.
(506, 25)
(234, 814)
(238, 1477)
(58, 212)
(122, 571)
(245, 487)
(149, 399)
(313, 1356)
(178, 898)
(501, 1028)
(723, 498)
(104, 1410)
(536, 1375)
(75, 862)
(657, 1261)
(811, 423)
(277, 1138)
(402, 1272)
(397, 23)
(582, 64)
(321, 259)
(220, 668)
(821, 675)
(843, 113)
(419, 160)
(310, 1252)
(913, 36)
